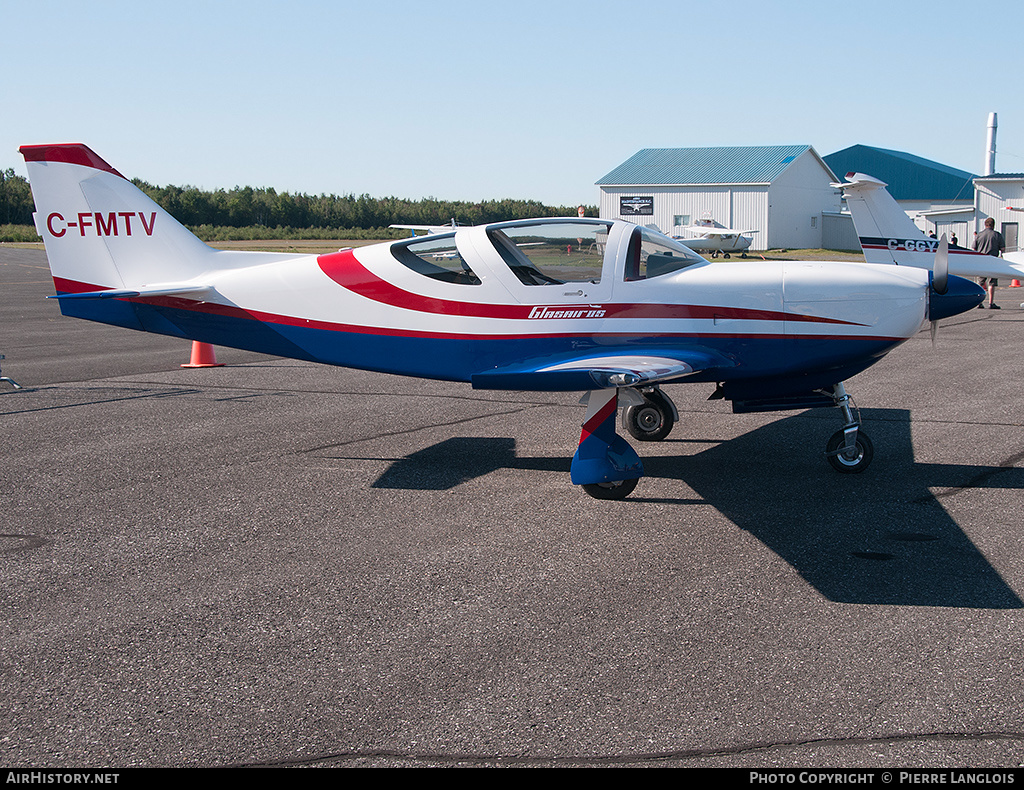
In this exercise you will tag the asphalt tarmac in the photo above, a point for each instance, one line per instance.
(273, 563)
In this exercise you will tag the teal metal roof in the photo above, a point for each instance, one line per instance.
(1011, 176)
(908, 177)
(728, 165)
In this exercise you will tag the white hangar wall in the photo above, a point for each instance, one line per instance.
(788, 212)
(740, 206)
(1000, 196)
(797, 198)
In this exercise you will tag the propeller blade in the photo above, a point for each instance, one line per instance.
(940, 270)
(935, 331)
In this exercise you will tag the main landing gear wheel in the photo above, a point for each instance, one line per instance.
(852, 461)
(651, 421)
(618, 489)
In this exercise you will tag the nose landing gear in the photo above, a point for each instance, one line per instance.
(849, 450)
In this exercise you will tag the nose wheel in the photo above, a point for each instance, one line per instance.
(847, 457)
(848, 450)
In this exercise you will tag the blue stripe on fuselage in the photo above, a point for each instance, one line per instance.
(458, 358)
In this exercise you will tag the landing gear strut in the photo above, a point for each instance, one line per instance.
(604, 463)
(849, 450)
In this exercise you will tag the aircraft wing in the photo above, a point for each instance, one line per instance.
(428, 228)
(581, 374)
(718, 231)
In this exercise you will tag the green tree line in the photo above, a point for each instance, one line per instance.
(15, 199)
(266, 208)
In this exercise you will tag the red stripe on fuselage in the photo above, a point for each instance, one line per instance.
(346, 270)
(63, 286)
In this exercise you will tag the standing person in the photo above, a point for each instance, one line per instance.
(990, 242)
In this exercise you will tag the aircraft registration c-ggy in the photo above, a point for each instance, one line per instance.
(602, 307)
(888, 235)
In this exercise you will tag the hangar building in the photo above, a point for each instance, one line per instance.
(936, 197)
(782, 192)
(1001, 196)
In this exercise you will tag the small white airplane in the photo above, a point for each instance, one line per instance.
(522, 305)
(717, 241)
(888, 235)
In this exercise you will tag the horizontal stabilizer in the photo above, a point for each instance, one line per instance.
(860, 180)
(159, 290)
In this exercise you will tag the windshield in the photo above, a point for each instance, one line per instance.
(553, 253)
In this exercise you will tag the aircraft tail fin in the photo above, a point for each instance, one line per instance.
(888, 235)
(103, 233)
(877, 217)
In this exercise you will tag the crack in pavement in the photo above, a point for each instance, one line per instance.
(651, 757)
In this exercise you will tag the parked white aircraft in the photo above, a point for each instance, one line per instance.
(717, 241)
(888, 235)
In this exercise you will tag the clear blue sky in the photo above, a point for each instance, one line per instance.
(471, 101)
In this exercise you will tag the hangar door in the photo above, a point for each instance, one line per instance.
(1010, 236)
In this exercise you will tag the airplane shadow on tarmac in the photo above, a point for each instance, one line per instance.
(880, 537)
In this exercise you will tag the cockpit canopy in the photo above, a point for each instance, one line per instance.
(553, 252)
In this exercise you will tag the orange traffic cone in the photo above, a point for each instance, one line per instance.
(1015, 284)
(202, 356)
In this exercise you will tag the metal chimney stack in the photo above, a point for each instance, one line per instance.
(990, 145)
